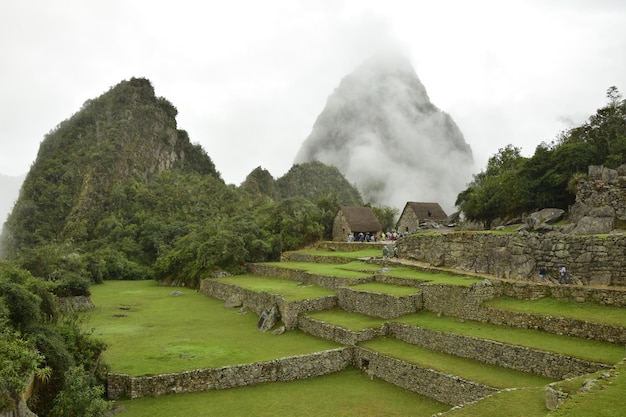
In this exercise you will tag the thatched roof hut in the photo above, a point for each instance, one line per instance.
(415, 213)
(354, 220)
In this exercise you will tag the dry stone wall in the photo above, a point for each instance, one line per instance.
(593, 260)
(385, 306)
(280, 370)
(258, 302)
(448, 389)
(304, 276)
(338, 334)
(520, 358)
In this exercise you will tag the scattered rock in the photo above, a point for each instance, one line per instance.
(176, 293)
(279, 330)
(268, 319)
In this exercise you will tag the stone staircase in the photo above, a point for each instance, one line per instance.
(464, 303)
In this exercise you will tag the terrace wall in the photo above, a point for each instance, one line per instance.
(280, 370)
(385, 306)
(467, 303)
(258, 302)
(338, 334)
(304, 276)
(520, 358)
(593, 260)
(445, 388)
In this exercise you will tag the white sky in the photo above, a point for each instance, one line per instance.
(250, 77)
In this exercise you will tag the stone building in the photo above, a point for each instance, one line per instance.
(416, 213)
(353, 221)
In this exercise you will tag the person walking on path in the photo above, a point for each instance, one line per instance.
(385, 252)
(563, 279)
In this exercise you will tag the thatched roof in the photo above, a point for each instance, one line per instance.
(361, 219)
(427, 211)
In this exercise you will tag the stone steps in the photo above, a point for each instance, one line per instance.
(461, 302)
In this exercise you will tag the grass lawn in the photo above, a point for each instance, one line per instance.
(349, 270)
(525, 402)
(391, 289)
(348, 393)
(491, 375)
(547, 306)
(351, 321)
(606, 399)
(368, 252)
(290, 290)
(150, 331)
(431, 277)
(591, 350)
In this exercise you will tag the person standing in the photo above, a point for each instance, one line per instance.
(385, 252)
(563, 279)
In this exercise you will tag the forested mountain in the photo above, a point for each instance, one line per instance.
(512, 185)
(127, 133)
(117, 191)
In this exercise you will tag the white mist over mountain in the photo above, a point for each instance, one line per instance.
(383, 133)
(9, 191)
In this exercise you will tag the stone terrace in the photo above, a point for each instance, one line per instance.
(461, 302)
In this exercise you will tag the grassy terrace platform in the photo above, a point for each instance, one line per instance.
(612, 316)
(361, 253)
(491, 375)
(289, 290)
(590, 350)
(349, 393)
(361, 269)
(150, 331)
(390, 289)
(348, 320)
(351, 270)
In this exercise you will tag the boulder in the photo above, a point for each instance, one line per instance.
(589, 225)
(547, 216)
(268, 319)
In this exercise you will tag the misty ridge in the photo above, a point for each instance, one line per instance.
(381, 131)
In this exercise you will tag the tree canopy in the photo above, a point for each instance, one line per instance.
(512, 184)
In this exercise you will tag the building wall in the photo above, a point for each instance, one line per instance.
(341, 228)
(408, 221)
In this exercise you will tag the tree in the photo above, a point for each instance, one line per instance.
(387, 216)
(79, 397)
(18, 360)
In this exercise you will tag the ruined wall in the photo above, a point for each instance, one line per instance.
(304, 277)
(336, 333)
(258, 302)
(593, 260)
(520, 358)
(448, 389)
(385, 306)
(280, 370)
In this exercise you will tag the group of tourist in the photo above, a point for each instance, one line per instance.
(373, 237)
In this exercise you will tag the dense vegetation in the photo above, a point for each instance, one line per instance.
(512, 184)
(118, 192)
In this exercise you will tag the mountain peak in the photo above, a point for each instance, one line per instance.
(380, 129)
